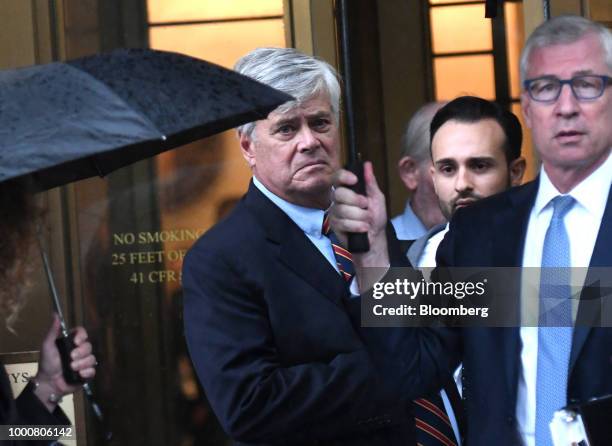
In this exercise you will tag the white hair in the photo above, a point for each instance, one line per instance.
(565, 29)
(415, 140)
(291, 72)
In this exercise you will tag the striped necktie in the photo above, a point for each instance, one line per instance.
(433, 427)
(344, 259)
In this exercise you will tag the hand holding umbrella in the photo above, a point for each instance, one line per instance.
(68, 344)
(51, 384)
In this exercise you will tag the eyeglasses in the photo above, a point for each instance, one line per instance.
(584, 87)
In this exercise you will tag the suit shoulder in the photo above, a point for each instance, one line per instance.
(228, 235)
(485, 208)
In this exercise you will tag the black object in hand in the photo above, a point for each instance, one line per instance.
(358, 242)
(65, 345)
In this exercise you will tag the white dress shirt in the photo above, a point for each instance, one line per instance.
(582, 223)
(428, 256)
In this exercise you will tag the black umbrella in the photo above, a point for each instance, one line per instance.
(66, 121)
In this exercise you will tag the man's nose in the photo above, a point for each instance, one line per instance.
(566, 104)
(463, 180)
(307, 139)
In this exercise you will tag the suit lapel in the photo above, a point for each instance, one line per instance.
(308, 263)
(602, 253)
(510, 228)
(296, 251)
(602, 257)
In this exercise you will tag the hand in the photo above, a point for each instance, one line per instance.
(50, 378)
(352, 212)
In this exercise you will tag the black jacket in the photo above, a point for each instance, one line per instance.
(26, 409)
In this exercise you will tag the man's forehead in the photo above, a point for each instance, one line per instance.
(462, 140)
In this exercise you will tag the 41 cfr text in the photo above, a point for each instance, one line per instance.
(166, 275)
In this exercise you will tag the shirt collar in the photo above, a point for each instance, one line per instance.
(309, 220)
(591, 193)
(412, 224)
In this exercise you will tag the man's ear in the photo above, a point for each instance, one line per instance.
(517, 170)
(526, 108)
(409, 172)
(432, 174)
(247, 146)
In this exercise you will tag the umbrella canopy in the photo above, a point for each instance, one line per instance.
(66, 121)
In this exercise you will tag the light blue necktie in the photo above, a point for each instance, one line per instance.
(555, 322)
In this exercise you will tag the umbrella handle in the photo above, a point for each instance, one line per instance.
(358, 242)
(65, 345)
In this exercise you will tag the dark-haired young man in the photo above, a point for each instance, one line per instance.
(476, 153)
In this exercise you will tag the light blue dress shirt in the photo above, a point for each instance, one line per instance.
(407, 225)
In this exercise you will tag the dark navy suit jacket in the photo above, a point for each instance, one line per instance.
(272, 342)
(492, 233)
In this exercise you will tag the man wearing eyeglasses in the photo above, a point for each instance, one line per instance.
(565, 68)
(516, 378)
